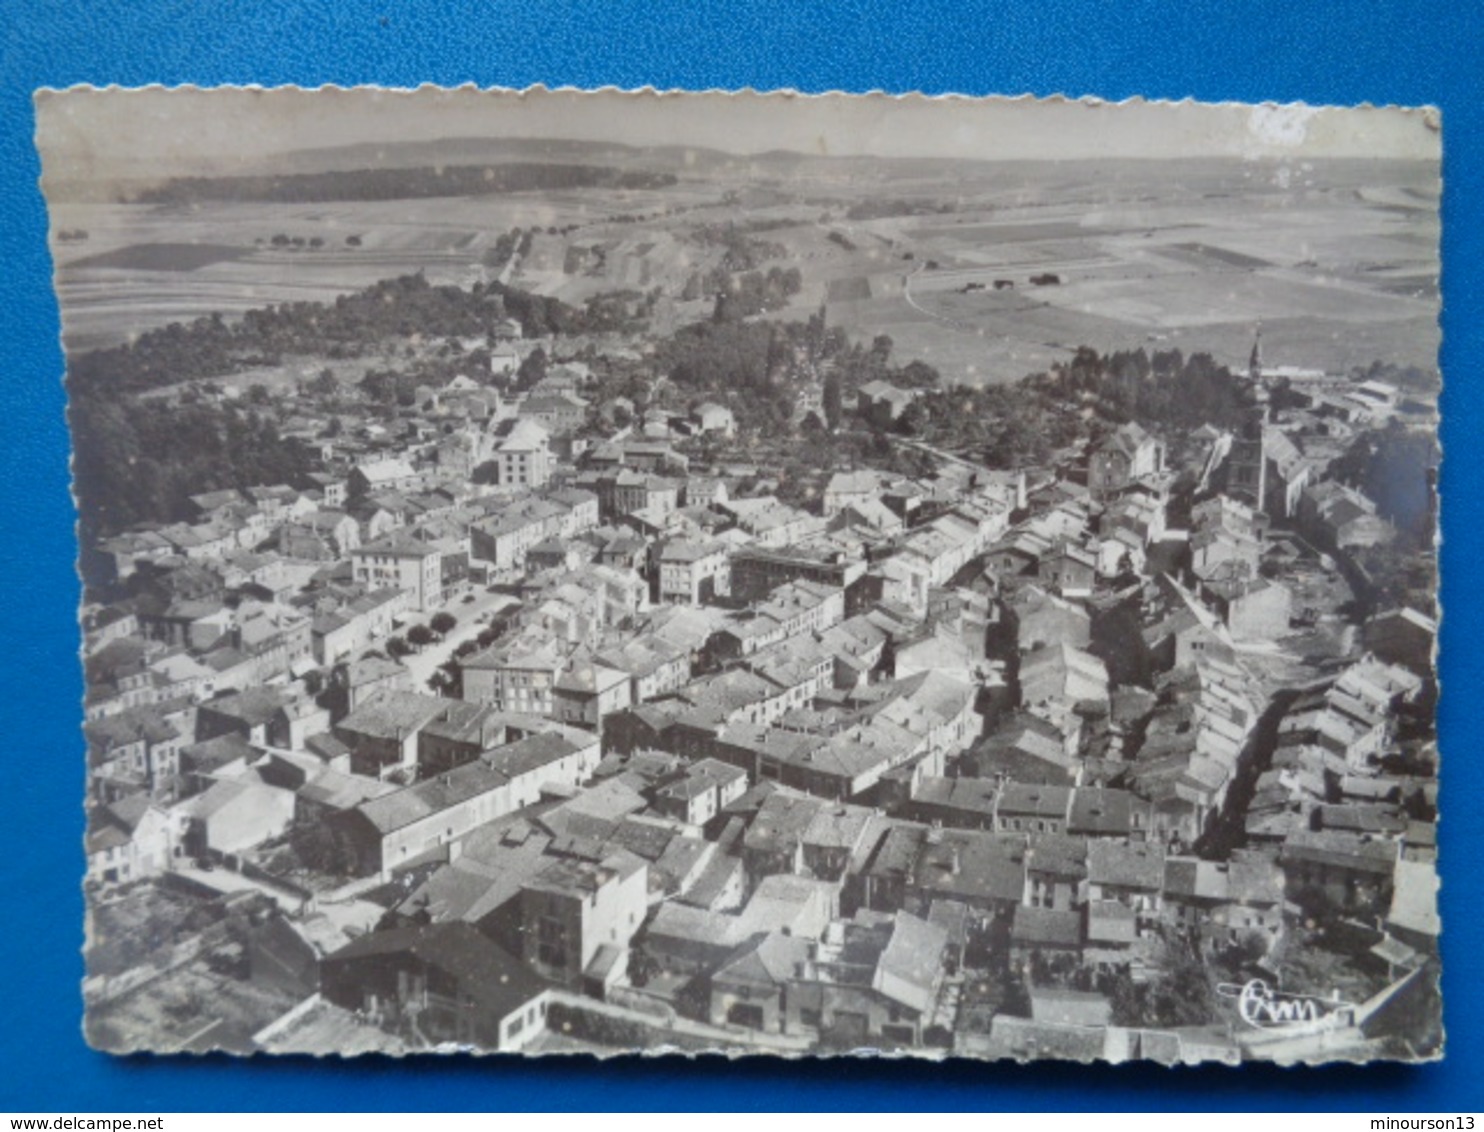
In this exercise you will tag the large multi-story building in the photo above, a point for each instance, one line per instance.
(758, 571)
(578, 917)
(1128, 454)
(401, 562)
(519, 676)
(693, 572)
(523, 455)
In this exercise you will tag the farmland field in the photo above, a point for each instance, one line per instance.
(849, 289)
(1338, 261)
(163, 257)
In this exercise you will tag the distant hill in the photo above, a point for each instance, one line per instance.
(791, 165)
(265, 179)
(497, 151)
(677, 159)
(400, 183)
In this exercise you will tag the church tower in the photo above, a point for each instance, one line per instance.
(1248, 477)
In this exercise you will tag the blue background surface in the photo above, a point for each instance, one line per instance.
(1319, 51)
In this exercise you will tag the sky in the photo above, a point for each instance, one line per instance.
(104, 133)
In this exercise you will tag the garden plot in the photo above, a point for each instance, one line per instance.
(189, 1009)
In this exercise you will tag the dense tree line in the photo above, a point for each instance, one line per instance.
(1022, 424)
(141, 461)
(740, 251)
(390, 387)
(720, 356)
(626, 311)
(878, 209)
(738, 283)
(399, 184)
(999, 424)
(352, 325)
(516, 242)
(752, 360)
(855, 364)
(742, 296)
(1167, 389)
(852, 364)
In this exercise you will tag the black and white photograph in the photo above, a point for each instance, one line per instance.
(604, 572)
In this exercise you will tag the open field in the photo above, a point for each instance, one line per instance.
(1338, 261)
(163, 257)
(143, 266)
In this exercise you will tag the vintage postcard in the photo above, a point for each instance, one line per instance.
(766, 574)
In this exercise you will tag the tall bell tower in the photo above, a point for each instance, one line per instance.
(1248, 478)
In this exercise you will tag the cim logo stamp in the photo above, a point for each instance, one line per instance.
(1264, 1008)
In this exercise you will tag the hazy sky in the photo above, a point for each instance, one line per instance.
(155, 131)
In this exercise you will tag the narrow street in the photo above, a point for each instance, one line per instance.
(227, 881)
(1229, 830)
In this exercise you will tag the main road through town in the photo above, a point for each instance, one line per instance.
(473, 618)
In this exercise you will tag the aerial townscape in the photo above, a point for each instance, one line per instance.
(609, 605)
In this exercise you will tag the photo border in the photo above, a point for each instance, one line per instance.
(1317, 52)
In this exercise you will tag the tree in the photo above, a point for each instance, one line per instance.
(420, 636)
(450, 678)
(324, 848)
(834, 401)
(1248, 950)
(532, 369)
(914, 420)
(642, 967)
(919, 375)
(1128, 1001)
(396, 647)
(442, 622)
(141, 461)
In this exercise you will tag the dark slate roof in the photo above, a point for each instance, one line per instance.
(497, 980)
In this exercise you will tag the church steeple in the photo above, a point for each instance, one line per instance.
(1247, 476)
